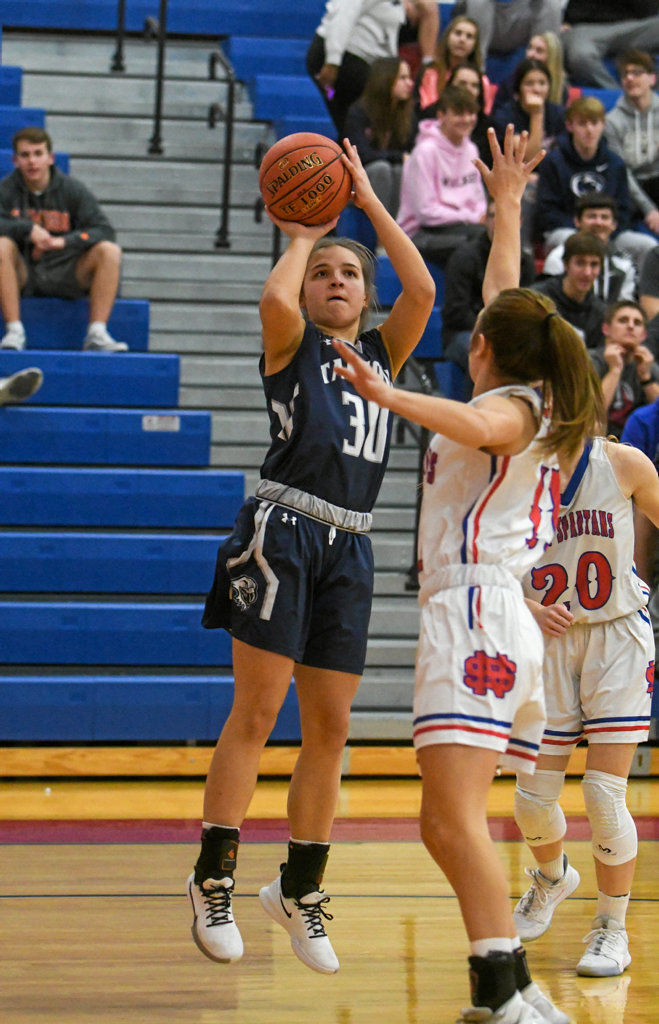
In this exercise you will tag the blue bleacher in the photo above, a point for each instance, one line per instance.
(133, 379)
(150, 498)
(274, 96)
(139, 708)
(188, 17)
(286, 124)
(255, 55)
(62, 323)
(107, 563)
(388, 285)
(451, 380)
(13, 118)
(128, 437)
(609, 97)
(109, 633)
(11, 85)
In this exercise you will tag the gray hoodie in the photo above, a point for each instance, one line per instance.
(635, 137)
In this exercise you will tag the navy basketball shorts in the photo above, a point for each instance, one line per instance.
(291, 584)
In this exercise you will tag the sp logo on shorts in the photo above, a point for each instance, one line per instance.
(482, 672)
(649, 676)
(243, 592)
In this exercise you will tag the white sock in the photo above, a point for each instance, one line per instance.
(212, 824)
(499, 944)
(95, 326)
(612, 906)
(552, 870)
(17, 324)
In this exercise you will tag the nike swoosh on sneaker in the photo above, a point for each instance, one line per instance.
(283, 907)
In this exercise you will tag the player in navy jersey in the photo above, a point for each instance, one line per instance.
(590, 603)
(294, 581)
(490, 501)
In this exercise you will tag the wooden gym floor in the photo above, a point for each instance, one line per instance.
(95, 921)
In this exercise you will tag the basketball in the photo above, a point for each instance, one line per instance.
(302, 178)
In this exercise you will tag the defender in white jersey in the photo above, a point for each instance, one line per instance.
(490, 495)
(599, 672)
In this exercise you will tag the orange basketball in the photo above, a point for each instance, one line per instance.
(302, 179)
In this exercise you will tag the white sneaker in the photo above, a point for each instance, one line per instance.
(20, 385)
(534, 911)
(214, 929)
(302, 919)
(514, 1011)
(607, 954)
(14, 338)
(539, 1001)
(99, 340)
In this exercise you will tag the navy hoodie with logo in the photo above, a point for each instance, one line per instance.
(564, 176)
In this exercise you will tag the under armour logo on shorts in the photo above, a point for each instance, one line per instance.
(482, 672)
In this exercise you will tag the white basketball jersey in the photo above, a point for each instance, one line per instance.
(589, 567)
(481, 508)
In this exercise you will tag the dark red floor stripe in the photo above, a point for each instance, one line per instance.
(159, 830)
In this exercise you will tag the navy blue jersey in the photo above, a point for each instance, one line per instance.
(326, 439)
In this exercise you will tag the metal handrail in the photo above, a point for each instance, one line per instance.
(117, 63)
(216, 112)
(422, 437)
(155, 142)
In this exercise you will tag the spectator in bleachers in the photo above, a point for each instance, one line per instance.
(465, 76)
(632, 131)
(351, 35)
(573, 293)
(617, 280)
(530, 109)
(547, 48)
(582, 163)
(442, 200)
(626, 365)
(458, 44)
(648, 295)
(418, 36)
(55, 240)
(20, 385)
(505, 25)
(382, 126)
(463, 290)
(597, 30)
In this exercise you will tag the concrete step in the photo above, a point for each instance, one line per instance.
(129, 137)
(195, 291)
(127, 95)
(215, 267)
(93, 54)
(178, 317)
(160, 180)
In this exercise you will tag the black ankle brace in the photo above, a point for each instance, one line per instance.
(522, 973)
(219, 850)
(492, 979)
(303, 871)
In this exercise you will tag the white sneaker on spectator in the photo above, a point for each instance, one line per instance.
(607, 953)
(302, 919)
(214, 930)
(14, 338)
(21, 385)
(534, 911)
(98, 339)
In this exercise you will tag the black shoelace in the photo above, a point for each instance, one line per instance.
(312, 914)
(218, 906)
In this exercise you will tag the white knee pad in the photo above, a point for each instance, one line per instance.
(614, 833)
(537, 811)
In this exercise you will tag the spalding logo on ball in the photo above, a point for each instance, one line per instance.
(302, 179)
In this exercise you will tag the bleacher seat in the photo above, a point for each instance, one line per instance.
(286, 124)
(128, 437)
(276, 96)
(11, 85)
(62, 323)
(87, 708)
(251, 56)
(451, 380)
(430, 343)
(132, 379)
(63, 496)
(388, 285)
(609, 97)
(353, 223)
(107, 563)
(13, 118)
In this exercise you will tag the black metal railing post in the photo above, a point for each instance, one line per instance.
(155, 143)
(222, 233)
(117, 62)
